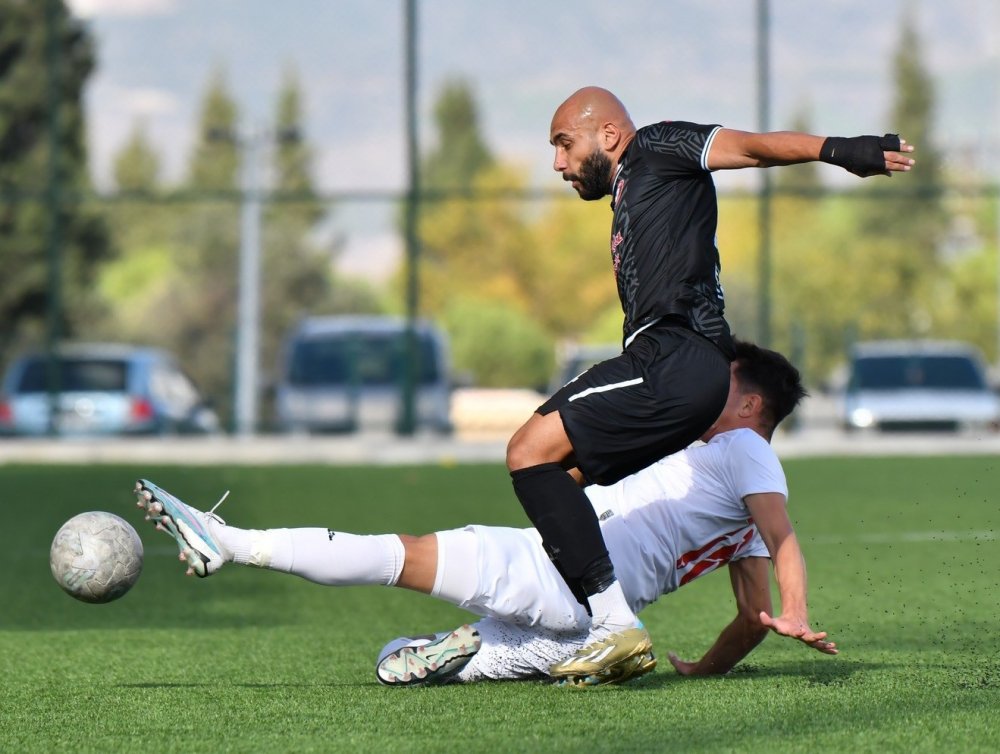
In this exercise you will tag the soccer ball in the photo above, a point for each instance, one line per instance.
(96, 557)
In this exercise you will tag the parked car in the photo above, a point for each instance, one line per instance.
(931, 385)
(103, 389)
(572, 361)
(348, 372)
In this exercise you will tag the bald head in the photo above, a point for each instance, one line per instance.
(595, 107)
(590, 130)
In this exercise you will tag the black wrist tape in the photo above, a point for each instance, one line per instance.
(861, 155)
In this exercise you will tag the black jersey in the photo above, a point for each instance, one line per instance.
(663, 234)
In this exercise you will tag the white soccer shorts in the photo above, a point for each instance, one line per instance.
(515, 581)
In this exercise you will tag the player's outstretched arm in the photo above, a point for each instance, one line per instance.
(751, 583)
(771, 517)
(862, 155)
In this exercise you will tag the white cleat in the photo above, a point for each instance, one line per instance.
(188, 526)
(426, 660)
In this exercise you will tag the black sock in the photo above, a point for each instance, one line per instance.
(571, 532)
(574, 584)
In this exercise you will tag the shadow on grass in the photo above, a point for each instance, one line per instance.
(830, 673)
(275, 685)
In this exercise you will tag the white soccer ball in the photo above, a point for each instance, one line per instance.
(96, 557)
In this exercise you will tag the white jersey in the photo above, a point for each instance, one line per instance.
(684, 516)
(664, 526)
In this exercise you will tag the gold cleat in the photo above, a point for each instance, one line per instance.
(633, 667)
(613, 659)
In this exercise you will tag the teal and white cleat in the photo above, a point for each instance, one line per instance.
(189, 526)
(426, 660)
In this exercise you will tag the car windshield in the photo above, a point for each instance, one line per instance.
(361, 359)
(916, 371)
(75, 375)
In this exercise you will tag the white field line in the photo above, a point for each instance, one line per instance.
(900, 537)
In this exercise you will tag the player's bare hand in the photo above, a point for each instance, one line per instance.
(898, 161)
(681, 666)
(795, 628)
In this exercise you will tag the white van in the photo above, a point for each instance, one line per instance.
(918, 385)
(344, 373)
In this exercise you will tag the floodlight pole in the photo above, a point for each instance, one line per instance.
(407, 423)
(53, 198)
(248, 311)
(994, 49)
(764, 200)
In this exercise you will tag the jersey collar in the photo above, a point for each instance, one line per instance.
(614, 182)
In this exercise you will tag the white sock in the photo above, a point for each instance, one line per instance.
(320, 555)
(611, 612)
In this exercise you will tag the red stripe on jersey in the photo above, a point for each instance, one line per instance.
(701, 563)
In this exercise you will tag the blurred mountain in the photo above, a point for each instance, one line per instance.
(684, 59)
(690, 59)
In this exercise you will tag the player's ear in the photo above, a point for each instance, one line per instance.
(611, 136)
(751, 404)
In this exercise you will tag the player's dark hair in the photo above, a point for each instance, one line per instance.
(770, 374)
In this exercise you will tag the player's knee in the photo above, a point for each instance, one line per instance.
(519, 453)
(540, 440)
(420, 562)
(523, 452)
(515, 455)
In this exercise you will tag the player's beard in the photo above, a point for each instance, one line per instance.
(594, 176)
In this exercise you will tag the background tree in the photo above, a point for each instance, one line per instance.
(802, 256)
(476, 249)
(864, 264)
(299, 270)
(904, 219)
(25, 166)
(449, 235)
(570, 279)
(137, 165)
(460, 152)
(298, 275)
(497, 344)
(175, 285)
(135, 283)
(181, 257)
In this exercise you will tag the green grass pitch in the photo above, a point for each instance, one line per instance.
(904, 568)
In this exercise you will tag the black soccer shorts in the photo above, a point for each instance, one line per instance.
(660, 395)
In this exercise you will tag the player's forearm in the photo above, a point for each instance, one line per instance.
(790, 573)
(735, 642)
(733, 149)
(783, 148)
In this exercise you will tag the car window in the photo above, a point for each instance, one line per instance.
(916, 371)
(170, 385)
(75, 375)
(360, 358)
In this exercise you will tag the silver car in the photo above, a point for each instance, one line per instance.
(101, 389)
(918, 385)
(347, 372)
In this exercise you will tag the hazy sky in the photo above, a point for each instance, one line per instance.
(680, 59)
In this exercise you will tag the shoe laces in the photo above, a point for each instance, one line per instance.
(222, 499)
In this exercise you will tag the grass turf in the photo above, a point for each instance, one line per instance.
(904, 565)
